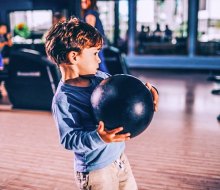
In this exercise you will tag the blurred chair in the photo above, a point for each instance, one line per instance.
(3, 75)
(32, 80)
(115, 61)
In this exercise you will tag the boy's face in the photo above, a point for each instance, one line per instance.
(88, 61)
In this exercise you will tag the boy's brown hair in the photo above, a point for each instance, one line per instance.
(71, 35)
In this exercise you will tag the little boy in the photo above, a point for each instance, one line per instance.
(100, 163)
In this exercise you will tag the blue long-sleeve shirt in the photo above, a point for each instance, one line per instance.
(77, 126)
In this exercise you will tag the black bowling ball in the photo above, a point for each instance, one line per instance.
(123, 100)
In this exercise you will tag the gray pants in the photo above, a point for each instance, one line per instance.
(116, 176)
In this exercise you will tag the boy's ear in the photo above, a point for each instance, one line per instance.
(72, 57)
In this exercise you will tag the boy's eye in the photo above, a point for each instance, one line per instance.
(96, 53)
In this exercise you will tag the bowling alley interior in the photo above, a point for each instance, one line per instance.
(172, 47)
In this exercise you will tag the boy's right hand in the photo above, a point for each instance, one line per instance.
(112, 136)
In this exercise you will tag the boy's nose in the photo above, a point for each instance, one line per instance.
(99, 60)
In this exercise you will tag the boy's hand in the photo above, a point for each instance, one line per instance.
(155, 95)
(112, 136)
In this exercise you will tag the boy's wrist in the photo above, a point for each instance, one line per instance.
(98, 139)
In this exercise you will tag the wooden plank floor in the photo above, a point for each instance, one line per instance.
(180, 150)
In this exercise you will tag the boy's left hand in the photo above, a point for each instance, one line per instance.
(154, 94)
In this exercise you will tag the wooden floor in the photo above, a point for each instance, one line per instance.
(180, 150)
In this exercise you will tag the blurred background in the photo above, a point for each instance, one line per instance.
(173, 44)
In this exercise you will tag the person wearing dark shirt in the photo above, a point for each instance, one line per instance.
(157, 31)
(91, 16)
(157, 34)
(142, 35)
(5, 40)
(167, 33)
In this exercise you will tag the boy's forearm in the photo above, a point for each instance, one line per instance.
(81, 141)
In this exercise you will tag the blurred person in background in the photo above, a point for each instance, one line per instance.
(5, 41)
(91, 16)
(168, 33)
(58, 17)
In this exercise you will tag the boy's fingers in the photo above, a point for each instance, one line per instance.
(121, 140)
(101, 126)
(148, 85)
(155, 106)
(117, 130)
(155, 99)
(155, 95)
(123, 137)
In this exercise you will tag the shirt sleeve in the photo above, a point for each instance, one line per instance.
(102, 74)
(72, 135)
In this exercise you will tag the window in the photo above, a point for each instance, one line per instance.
(106, 11)
(209, 28)
(30, 24)
(161, 27)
